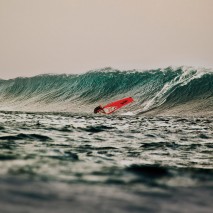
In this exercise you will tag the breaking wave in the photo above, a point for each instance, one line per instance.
(173, 91)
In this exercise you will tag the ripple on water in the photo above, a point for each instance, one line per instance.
(84, 144)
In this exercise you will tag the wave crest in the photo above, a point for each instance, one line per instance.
(182, 89)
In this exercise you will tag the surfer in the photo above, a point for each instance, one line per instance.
(98, 109)
(113, 106)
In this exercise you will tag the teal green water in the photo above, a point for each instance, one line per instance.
(182, 90)
(154, 155)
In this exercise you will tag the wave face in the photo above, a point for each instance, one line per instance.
(182, 90)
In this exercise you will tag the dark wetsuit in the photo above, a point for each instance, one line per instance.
(98, 109)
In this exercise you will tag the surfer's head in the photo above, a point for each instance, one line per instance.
(98, 109)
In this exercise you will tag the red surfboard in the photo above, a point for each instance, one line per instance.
(111, 107)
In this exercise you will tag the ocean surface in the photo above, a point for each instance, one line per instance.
(154, 155)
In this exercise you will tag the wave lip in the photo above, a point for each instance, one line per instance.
(180, 90)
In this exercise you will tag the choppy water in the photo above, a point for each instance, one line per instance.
(90, 163)
(56, 156)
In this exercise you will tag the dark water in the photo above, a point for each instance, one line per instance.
(154, 155)
(63, 162)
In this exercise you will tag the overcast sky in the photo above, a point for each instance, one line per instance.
(74, 36)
